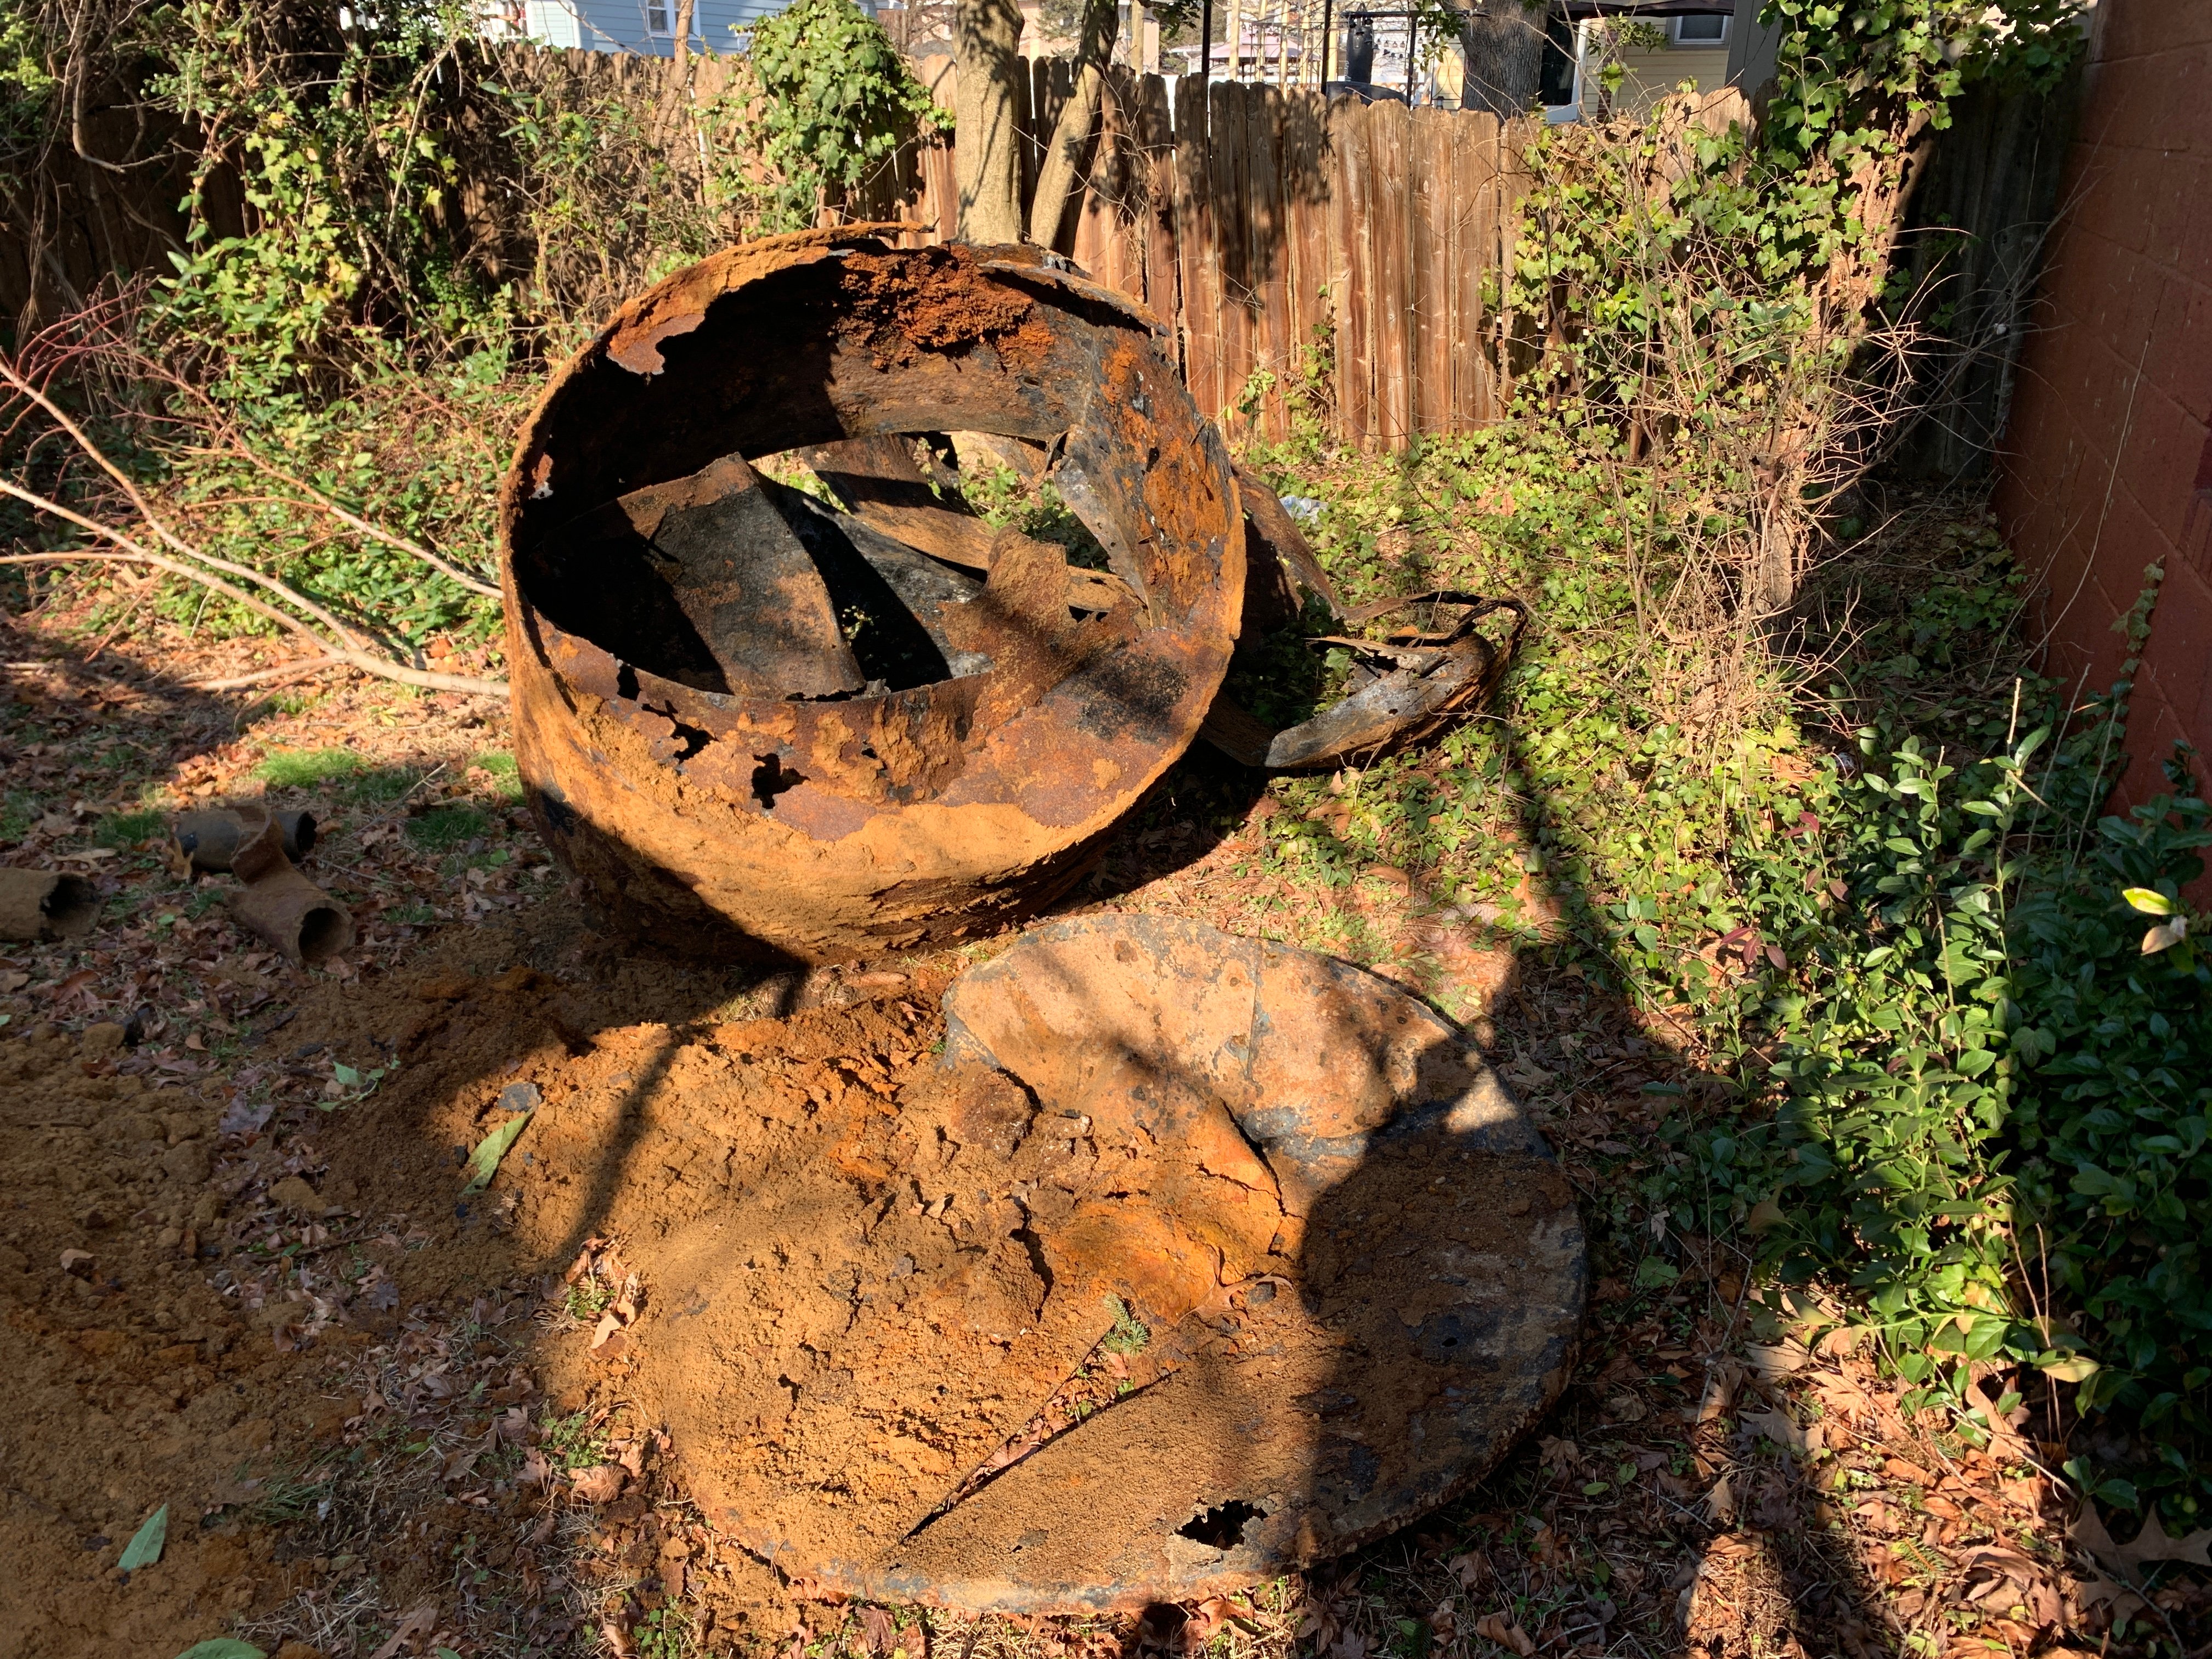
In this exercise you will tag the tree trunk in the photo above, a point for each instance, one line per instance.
(1504, 44)
(686, 124)
(985, 34)
(1064, 158)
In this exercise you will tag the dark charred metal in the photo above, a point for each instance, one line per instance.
(1281, 573)
(1407, 688)
(760, 729)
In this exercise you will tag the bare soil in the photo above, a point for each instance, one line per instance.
(388, 1416)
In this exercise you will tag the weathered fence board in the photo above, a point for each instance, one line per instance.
(1260, 224)
(1349, 265)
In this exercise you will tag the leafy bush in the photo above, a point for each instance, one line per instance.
(1997, 1092)
(1957, 1090)
(839, 101)
(2116, 1131)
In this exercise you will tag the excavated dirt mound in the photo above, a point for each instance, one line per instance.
(1330, 1259)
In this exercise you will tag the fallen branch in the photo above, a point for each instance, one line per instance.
(444, 567)
(127, 551)
(263, 675)
(333, 641)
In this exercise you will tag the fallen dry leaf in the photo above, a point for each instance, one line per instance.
(2151, 1544)
(420, 1622)
(1777, 1426)
(878, 1632)
(1720, 1501)
(600, 1484)
(1498, 1628)
(1772, 1361)
(1203, 1623)
(2005, 1440)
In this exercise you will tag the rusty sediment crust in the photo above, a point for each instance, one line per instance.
(759, 725)
(1356, 1274)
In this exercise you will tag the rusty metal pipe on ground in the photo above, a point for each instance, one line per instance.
(277, 905)
(207, 842)
(44, 904)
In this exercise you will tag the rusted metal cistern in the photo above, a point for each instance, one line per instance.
(759, 726)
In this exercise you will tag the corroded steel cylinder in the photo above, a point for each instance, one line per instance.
(730, 776)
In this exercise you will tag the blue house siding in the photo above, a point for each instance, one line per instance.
(644, 26)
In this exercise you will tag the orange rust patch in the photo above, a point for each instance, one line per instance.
(904, 305)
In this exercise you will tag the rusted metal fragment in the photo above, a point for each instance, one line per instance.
(1026, 458)
(716, 818)
(1364, 1269)
(746, 582)
(880, 482)
(208, 840)
(1281, 569)
(891, 602)
(882, 486)
(44, 904)
(278, 905)
(678, 306)
(1407, 691)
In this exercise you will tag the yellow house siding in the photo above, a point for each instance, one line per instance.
(1652, 75)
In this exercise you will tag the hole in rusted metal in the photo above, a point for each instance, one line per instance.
(960, 713)
(772, 778)
(1222, 1527)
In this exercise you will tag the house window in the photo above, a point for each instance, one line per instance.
(657, 19)
(1705, 28)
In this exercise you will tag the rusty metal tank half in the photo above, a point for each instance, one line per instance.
(761, 725)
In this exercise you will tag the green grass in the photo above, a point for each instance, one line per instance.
(382, 787)
(588, 1298)
(570, 1442)
(17, 817)
(122, 830)
(507, 776)
(442, 829)
(308, 769)
(1129, 1335)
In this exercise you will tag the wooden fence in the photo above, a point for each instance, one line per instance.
(1331, 258)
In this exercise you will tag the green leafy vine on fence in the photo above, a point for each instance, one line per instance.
(838, 102)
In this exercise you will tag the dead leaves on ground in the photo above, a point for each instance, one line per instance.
(605, 1294)
(2119, 1582)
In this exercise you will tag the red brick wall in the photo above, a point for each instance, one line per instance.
(2108, 461)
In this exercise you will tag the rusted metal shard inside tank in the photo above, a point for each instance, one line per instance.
(1330, 1259)
(759, 726)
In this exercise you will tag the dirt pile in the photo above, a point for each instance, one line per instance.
(134, 1384)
